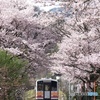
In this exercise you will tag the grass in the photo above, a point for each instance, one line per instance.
(30, 95)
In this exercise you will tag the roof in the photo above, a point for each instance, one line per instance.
(47, 79)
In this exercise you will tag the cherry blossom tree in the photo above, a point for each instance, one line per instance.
(78, 55)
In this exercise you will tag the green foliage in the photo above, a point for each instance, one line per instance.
(11, 65)
(49, 75)
(62, 95)
(11, 94)
(11, 72)
(51, 48)
(98, 90)
(30, 95)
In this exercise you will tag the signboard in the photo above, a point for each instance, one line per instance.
(84, 94)
(79, 94)
(92, 94)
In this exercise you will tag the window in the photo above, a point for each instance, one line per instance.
(54, 86)
(40, 86)
(47, 87)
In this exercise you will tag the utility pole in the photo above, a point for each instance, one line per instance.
(69, 90)
(94, 91)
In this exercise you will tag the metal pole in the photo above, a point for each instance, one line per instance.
(60, 89)
(94, 91)
(69, 90)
